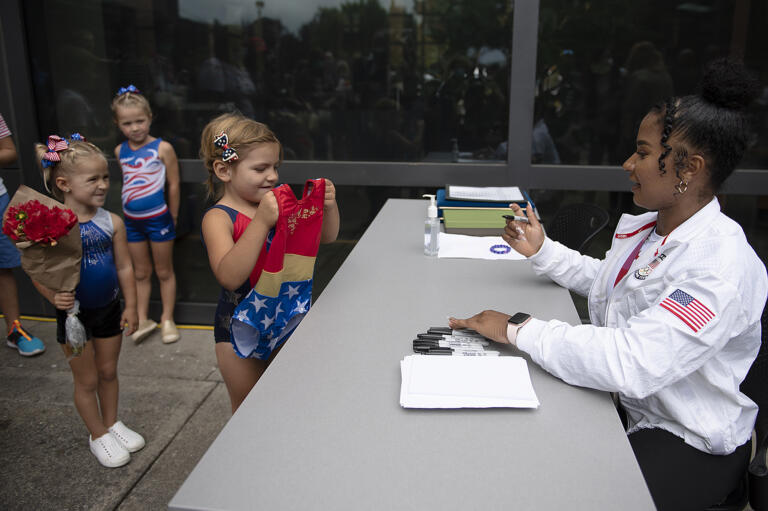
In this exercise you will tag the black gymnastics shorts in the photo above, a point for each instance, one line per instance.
(99, 322)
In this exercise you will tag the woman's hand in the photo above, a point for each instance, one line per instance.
(268, 210)
(129, 320)
(64, 300)
(525, 237)
(491, 324)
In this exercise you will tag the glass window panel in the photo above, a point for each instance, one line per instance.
(602, 64)
(374, 80)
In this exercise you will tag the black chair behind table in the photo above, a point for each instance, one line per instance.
(754, 484)
(575, 225)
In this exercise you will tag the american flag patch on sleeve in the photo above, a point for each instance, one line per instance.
(691, 311)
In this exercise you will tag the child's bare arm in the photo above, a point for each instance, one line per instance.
(7, 151)
(172, 177)
(125, 275)
(331, 218)
(62, 300)
(232, 262)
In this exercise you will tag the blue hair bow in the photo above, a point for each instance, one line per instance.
(126, 90)
(222, 141)
(77, 136)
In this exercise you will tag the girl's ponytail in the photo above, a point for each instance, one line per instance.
(47, 170)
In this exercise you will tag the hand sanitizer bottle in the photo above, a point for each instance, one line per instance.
(431, 228)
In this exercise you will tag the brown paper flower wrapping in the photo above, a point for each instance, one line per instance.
(56, 267)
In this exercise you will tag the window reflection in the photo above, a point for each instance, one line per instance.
(390, 80)
(603, 64)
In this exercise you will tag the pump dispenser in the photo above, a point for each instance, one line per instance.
(431, 228)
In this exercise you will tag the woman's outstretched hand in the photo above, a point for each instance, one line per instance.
(525, 237)
(491, 324)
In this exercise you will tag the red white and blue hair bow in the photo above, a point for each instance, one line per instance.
(222, 141)
(126, 90)
(55, 144)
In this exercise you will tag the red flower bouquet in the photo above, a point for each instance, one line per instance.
(48, 236)
(38, 223)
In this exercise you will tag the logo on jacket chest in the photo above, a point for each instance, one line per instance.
(642, 273)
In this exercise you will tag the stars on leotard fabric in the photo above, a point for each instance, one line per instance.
(267, 322)
(258, 303)
(301, 307)
(267, 317)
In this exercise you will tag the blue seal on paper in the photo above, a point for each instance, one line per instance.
(501, 249)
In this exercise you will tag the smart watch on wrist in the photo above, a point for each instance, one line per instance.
(515, 323)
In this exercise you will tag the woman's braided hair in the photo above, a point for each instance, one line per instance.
(666, 131)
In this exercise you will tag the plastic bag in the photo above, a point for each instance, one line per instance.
(75, 331)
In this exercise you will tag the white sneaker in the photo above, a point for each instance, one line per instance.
(109, 451)
(128, 438)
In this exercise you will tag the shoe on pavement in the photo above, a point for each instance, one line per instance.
(27, 345)
(170, 332)
(128, 438)
(109, 451)
(146, 327)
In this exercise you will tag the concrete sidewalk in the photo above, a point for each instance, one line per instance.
(172, 394)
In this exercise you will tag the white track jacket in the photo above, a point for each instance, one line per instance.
(674, 338)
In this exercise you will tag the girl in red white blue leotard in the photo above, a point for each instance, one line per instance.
(248, 218)
(150, 169)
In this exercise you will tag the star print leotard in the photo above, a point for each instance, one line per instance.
(228, 300)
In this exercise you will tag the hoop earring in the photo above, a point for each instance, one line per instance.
(681, 187)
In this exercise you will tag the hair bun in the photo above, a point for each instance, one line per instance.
(728, 84)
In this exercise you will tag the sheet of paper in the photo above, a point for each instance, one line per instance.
(485, 193)
(431, 381)
(476, 247)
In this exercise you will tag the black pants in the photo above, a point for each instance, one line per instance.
(681, 477)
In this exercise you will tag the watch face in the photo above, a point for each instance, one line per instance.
(519, 318)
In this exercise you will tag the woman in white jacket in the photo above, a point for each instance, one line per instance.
(675, 306)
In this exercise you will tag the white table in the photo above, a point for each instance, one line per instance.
(323, 428)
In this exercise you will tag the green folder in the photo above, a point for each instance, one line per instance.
(473, 218)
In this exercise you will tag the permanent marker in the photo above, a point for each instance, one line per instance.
(516, 218)
(463, 339)
(458, 353)
(466, 332)
(469, 336)
(449, 340)
(422, 343)
(454, 339)
(429, 335)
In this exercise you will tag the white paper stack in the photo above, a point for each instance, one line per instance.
(476, 247)
(484, 193)
(466, 382)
